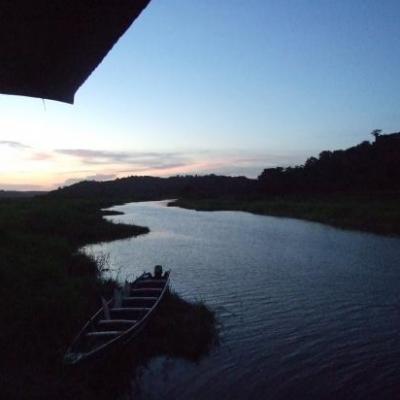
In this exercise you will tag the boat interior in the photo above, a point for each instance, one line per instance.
(127, 309)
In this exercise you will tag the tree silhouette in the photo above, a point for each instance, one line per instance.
(367, 167)
(376, 133)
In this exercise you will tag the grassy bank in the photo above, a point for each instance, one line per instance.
(364, 213)
(48, 289)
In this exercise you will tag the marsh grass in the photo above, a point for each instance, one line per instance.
(47, 287)
(181, 329)
(377, 214)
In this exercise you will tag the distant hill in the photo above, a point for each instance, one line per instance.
(8, 194)
(367, 167)
(138, 188)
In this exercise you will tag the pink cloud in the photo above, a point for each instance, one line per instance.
(40, 156)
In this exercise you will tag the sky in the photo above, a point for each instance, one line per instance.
(227, 86)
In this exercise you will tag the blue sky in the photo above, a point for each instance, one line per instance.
(215, 86)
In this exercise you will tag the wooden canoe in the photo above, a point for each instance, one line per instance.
(119, 321)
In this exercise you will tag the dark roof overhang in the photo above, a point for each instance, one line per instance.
(48, 48)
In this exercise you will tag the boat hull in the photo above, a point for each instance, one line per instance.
(97, 340)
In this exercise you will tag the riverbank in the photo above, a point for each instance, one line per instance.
(364, 213)
(48, 290)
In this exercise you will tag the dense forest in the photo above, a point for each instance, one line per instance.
(365, 168)
(152, 188)
(8, 194)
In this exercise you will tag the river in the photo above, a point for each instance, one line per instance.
(307, 311)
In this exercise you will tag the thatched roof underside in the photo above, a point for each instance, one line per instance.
(48, 48)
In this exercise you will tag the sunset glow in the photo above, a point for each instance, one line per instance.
(234, 91)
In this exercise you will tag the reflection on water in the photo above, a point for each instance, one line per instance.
(307, 311)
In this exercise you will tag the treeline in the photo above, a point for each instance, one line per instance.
(365, 168)
(9, 194)
(141, 188)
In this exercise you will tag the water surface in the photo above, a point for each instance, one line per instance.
(307, 311)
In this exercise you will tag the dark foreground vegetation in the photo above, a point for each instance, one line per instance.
(48, 290)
